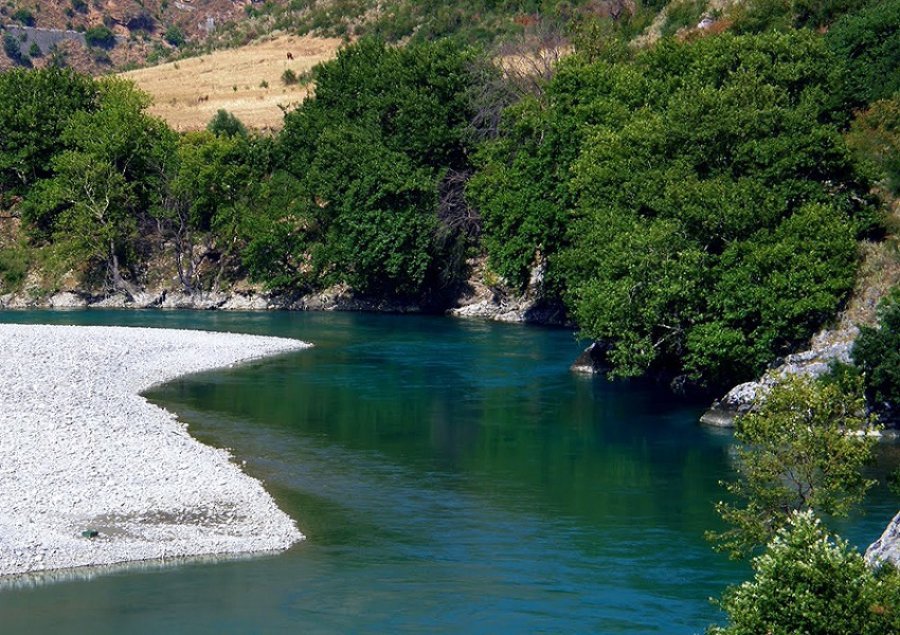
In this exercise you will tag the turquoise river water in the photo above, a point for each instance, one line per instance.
(451, 477)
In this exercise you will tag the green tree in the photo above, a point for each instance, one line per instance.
(210, 187)
(370, 165)
(877, 353)
(868, 44)
(227, 124)
(100, 36)
(875, 138)
(715, 208)
(808, 581)
(35, 108)
(175, 36)
(801, 449)
(104, 182)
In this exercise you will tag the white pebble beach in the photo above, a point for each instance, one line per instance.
(81, 450)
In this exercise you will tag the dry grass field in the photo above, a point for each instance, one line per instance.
(246, 81)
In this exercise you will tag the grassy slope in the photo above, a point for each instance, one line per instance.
(246, 81)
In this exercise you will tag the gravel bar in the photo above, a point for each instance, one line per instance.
(81, 452)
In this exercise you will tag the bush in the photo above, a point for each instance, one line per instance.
(811, 582)
(288, 77)
(226, 124)
(24, 16)
(100, 36)
(877, 354)
(13, 50)
(875, 137)
(175, 36)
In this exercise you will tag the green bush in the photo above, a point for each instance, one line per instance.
(875, 137)
(24, 16)
(100, 36)
(175, 36)
(227, 124)
(811, 582)
(877, 353)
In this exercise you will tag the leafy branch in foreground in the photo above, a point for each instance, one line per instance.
(802, 449)
(810, 582)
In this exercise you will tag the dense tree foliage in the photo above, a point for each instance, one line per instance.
(868, 41)
(697, 203)
(808, 581)
(370, 166)
(877, 353)
(693, 203)
(106, 177)
(35, 108)
(798, 452)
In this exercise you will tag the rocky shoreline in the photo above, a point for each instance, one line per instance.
(92, 474)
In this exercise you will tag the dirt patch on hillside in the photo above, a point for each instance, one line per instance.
(245, 81)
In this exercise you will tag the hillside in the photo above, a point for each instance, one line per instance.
(248, 81)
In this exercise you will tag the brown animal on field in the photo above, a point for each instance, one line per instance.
(290, 55)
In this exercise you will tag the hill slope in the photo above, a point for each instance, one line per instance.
(246, 81)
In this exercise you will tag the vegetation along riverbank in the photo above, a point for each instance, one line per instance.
(706, 192)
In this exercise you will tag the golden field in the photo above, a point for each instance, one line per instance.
(245, 81)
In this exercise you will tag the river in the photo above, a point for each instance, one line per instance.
(451, 477)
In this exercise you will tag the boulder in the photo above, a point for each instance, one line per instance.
(66, 300)
(826, 347)
(591, 361)
(887, 548)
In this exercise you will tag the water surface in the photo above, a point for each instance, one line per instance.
(451, 476)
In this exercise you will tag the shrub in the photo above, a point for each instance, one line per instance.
(24, 16)
(100, 36)
(288, 77)
(875, 137)
(877, 353)
(811, 582)
(226, 124)
(175, 36)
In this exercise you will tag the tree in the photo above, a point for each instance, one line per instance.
(715, 208)
(208, 189)
(868, 44)
(103, 183)
(875, 138)
(175, 36)
(370, 166)
(877, 353)
(227, 124)
(35, 108)
(808, 581)
(802, 449)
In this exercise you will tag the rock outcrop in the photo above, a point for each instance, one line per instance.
(886, 550)
(826, 348)
(496, 302)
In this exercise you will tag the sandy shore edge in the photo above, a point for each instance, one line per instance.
(81, 450)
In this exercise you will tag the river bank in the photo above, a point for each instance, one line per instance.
(92, 474)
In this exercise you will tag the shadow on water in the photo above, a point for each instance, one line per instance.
(450, 476)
